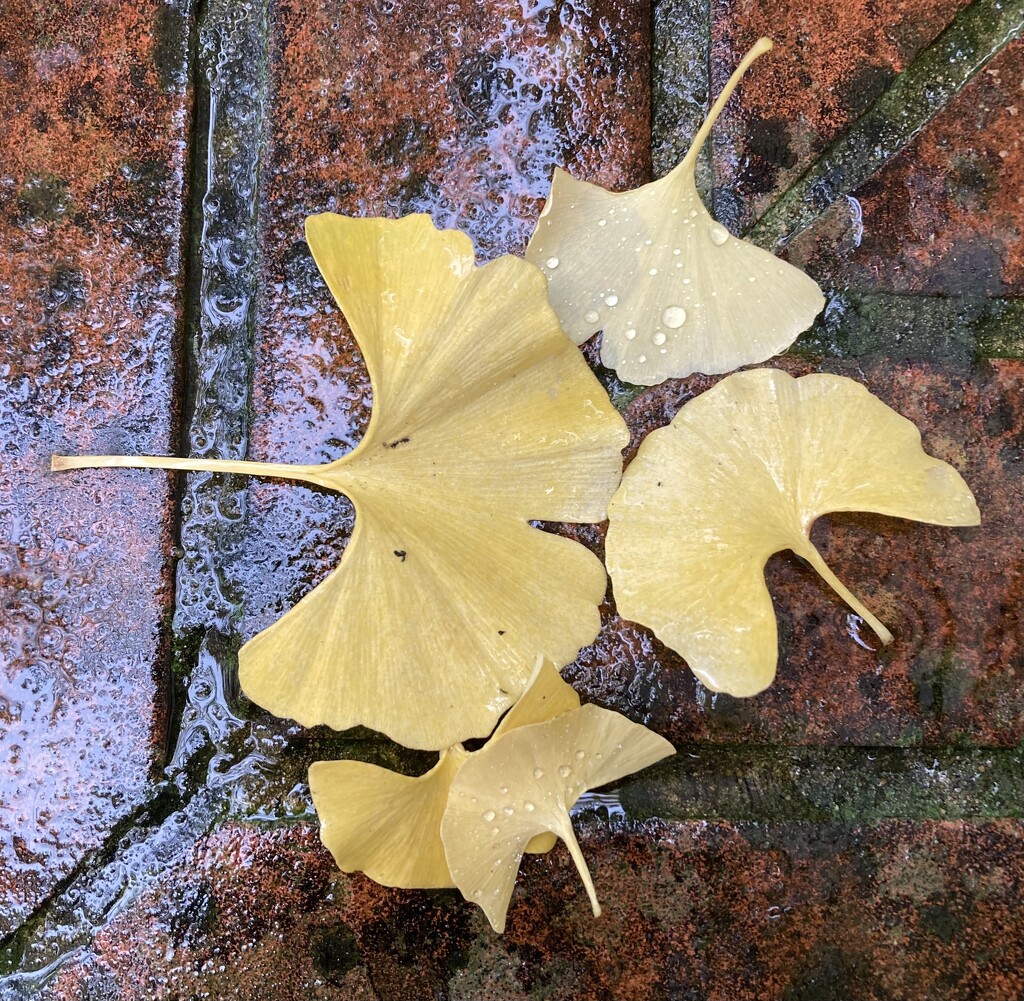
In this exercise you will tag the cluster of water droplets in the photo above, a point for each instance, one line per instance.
(624, 310)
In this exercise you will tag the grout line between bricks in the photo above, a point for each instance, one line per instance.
(680, 83)
(195, 175)
(816, 784)
(229, 68)
(956, 331)
(926, 87)
(232, 79)
(138, 848)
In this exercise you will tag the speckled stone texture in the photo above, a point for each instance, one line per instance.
(946, 216)
(895, 911)
(94, 114)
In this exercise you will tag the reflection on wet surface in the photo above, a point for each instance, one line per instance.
(90, 298)
(374, 109)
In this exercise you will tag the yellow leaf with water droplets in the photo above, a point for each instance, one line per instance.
(672, 290)
(523, 785)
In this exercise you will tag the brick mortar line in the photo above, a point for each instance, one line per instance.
(198, 125)
(680, 54)
(138, 848)
(957, 330)
(774, 783)
(232, 73)
(926, 87)
(853, 784)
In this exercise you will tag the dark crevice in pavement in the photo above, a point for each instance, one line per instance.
(856, 784)
(192, 274)
(231, 81)
(680, 84)
(926, 87)
(139, 845)
(956, 331)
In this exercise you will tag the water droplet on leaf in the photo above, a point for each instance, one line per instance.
(719, 234)
(673, 317)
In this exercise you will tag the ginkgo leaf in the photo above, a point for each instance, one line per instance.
(385, 824)
(547, 696)
(485, 418)
(523, 785)
(672, 290)
(388, 825)
(741, 473)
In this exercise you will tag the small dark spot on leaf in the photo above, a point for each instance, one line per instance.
(400, 553)
(501, 632)
(395, 444)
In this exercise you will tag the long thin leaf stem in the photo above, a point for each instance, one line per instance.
(280, 470)
(758, 49)
(814, 558)
(568, 835)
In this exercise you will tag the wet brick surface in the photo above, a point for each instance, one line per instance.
(946, 216)
(91, 179)
(952, 597)
(747, 912)
(831, 62)
(461, 110)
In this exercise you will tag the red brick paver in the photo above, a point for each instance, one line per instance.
(832, 60)
(91, 217)
(952, 597)
(946, 216)
(748, 912)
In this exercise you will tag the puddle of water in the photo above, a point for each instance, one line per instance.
(89, 303)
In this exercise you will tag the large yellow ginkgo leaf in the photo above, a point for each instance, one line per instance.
(741, 473)
(388, 825)
(672, 290)
(523, 785)
(485, 417)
